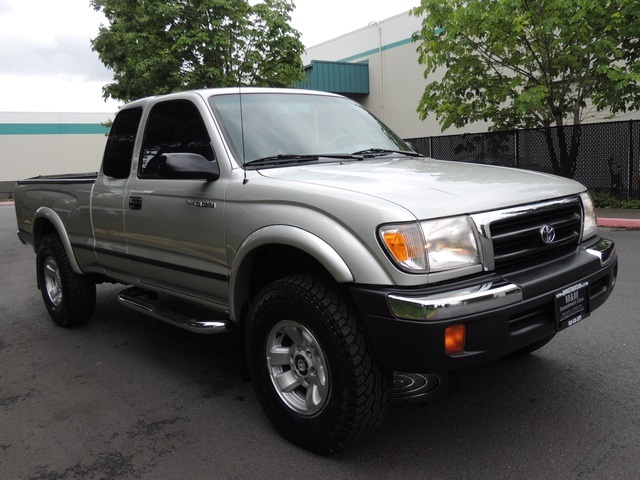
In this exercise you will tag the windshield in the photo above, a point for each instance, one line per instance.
(289, 124)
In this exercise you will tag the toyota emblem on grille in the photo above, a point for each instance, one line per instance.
(547, 233)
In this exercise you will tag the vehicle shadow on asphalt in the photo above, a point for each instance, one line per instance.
(494, 412)
(213, 362)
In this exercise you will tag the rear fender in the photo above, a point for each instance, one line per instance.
(46, 215)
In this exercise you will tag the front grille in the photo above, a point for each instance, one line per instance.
(518, 239)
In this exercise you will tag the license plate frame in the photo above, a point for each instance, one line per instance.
(572, 305)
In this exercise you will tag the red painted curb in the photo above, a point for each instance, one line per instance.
(618, 223)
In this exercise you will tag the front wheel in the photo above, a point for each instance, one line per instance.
(70, 298)
(312, 367)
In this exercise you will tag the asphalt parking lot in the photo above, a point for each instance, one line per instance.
(126, 397)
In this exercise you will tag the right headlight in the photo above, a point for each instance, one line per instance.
(432, 245)
(590, 221)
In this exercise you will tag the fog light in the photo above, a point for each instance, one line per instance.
(455, 338)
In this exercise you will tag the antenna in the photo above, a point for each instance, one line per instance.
(244, 155)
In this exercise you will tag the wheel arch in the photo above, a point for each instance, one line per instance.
(45, 222)
(277, 251)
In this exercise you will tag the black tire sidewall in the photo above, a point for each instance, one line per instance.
(277, 303)
(71, 311)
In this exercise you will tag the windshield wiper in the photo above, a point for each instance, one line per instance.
(282, 159)
(299, 158)
(378, 152)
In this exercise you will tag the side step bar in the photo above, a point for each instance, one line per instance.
(147, 302)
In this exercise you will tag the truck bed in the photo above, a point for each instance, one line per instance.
(68, 195)
(61, 178)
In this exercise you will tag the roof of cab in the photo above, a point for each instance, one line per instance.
(208, 92)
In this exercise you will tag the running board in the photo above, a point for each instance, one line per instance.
(195, 319)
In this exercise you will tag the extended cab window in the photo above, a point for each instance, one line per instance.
(118, 153)
(173, 127)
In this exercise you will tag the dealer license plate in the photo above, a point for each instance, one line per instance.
(572, 305)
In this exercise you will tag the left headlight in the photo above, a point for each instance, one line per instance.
(432, 245)
(590, 221)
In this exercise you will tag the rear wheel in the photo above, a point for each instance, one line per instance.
(70, 298)
(312, 366)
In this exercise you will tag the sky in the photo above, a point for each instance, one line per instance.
(47, 65)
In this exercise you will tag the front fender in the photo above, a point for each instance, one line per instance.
(282, 235)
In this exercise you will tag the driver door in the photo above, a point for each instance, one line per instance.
(175, 227)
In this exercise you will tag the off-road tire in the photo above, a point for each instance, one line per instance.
(70, 298)
(356, 394)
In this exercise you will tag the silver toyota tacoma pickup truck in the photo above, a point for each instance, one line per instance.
(337, 252)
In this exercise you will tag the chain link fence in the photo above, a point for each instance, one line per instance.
(607, 155)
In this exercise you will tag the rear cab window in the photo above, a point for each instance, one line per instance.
(118, 153)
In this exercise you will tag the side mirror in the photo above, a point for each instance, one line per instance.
(188, 166)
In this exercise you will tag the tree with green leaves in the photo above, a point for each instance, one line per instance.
(530, 63)
(160, 46)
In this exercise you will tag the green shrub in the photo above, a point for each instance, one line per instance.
(604, 200)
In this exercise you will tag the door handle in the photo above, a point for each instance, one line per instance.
(135, 203)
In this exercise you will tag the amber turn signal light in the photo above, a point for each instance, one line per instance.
(397, 245)
(455, 338)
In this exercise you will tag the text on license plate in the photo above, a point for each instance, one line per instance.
(572, 305)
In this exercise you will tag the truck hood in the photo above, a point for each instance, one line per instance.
(429, 188)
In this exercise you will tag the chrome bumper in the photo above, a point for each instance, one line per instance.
(605, 250)
(476, 299)
(457, 303)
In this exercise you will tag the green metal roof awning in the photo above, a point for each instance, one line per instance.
(336, 77)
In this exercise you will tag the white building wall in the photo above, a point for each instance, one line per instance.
(76, 148)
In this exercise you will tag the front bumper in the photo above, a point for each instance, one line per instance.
(501, 313)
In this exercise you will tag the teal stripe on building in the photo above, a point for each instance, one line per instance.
(373, 51)
(53, 129)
